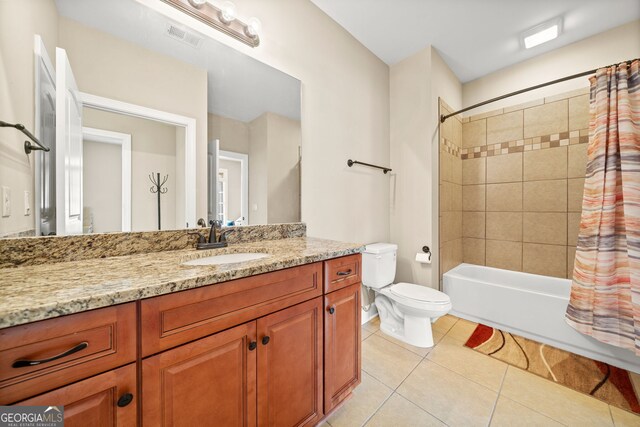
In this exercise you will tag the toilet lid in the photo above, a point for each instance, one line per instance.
(420, 293)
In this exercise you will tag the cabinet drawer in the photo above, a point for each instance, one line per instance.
(171, 320)
(64, 350)
(342, 272)
(94, 401)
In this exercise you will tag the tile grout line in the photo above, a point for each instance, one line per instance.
(562, 386)
(394, 390)
(613, 421)
(525, 405)
(377, 409)
(454, 373)
(495, 405)
(469, 379)
(407, 398)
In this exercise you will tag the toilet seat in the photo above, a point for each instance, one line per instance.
(419, 293)
(418, 297)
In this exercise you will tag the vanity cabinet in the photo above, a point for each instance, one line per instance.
(267, 371)
(275, 349)
(108, 399)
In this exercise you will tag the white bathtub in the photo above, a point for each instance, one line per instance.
(528, 305)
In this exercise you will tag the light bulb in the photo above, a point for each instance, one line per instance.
(197, 3)
(228, 12)
(253, 27)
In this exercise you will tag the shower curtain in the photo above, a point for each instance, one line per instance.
(605, 292)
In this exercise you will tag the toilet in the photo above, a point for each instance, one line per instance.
(406, 310)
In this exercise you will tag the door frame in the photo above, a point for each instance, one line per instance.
(124, 141)
(189, 124)
(232, 156)
(43, 67)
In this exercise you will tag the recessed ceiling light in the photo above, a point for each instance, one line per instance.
(541, 33)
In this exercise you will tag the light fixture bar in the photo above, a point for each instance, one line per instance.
(212, 16)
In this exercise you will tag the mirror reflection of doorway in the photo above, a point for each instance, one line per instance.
(106, 181)
(233, 178)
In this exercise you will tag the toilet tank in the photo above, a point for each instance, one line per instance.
(379, 265)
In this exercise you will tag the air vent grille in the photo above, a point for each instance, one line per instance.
(184, 36)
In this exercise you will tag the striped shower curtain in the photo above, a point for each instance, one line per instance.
(605, 292)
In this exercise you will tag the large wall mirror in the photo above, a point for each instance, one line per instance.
(150, 124)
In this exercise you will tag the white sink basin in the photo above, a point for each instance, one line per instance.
(226, 259)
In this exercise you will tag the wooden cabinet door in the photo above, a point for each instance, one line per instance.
(209, 382)
(94, 401)
(290, 366)
(341, 345)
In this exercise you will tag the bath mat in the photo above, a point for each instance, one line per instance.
(604, 382)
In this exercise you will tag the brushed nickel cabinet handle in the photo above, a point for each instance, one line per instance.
(75, 349)
(345, 273)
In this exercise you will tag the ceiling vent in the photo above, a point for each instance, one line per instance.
(184, 36)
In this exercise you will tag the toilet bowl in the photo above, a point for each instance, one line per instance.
(406, 310)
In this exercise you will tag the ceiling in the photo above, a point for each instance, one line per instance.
(239, 86)
(474, 37)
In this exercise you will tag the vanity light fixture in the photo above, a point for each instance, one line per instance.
(223, 19)
(542, 33)
(228, 13)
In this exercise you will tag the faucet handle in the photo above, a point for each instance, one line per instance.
(223, 234)
(201, 238)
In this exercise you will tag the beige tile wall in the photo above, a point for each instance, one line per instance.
(451, 196)
(521, 201)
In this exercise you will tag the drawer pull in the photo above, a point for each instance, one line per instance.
(125, 399)
(345, 273)
(23, 363)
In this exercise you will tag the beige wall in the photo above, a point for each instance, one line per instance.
(233, 134)
(416, 84)
(345, 114)
(618, 44)
(19, 22)
(274, 175)
(284, 169)
(523, 177)
(258, 170)
(153, 150)
(149, 79)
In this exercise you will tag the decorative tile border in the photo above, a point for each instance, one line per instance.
(449, 147)
(530, 144)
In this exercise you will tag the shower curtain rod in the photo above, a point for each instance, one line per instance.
(444, 117)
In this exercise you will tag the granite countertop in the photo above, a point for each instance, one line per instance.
(44, 291)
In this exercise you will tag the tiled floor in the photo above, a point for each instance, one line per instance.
(450, 384)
